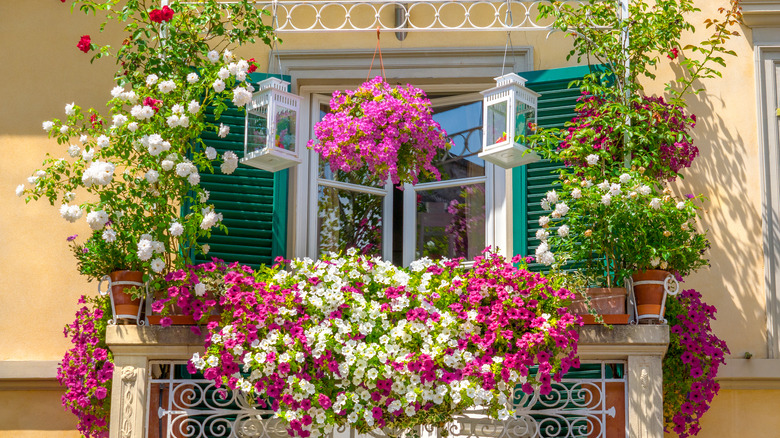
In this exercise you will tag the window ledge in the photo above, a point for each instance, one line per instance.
(24, 375)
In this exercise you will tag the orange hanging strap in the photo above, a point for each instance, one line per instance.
(381, 63)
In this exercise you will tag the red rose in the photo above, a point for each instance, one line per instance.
(85, 43)
(252, 65)
(673, 54)
(152, 103)
(160, 15)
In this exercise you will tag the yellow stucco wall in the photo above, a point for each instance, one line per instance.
(42, 70)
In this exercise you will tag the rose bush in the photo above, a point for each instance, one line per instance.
(358, 341)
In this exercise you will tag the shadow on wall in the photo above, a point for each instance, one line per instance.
(734, 282)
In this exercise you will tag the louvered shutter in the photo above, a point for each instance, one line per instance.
(530, 183)
(253, 202)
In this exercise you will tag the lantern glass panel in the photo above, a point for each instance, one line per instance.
(257, 124)
(285, 128)
(497, 122)
(524, 117)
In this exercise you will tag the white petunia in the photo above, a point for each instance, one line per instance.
(166, 87)
(74, 151)
(211, 153)
(606, 199)
(97, 219)
(109, 235)
(47, 126)
(152, 176)
(213, 56)
(192, 78)
(193, 107)
(218, 85)
(200, 289)
(655, 203)
(592, 159)
(151, 79)
(70, 109)
(20, 190)
(241, 96)
(224, 130)
(230, 162)
(176, 229)
(158, 265)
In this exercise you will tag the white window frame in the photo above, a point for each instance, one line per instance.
(440, 70)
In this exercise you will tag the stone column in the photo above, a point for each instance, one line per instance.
(128, 398)
(645, 396)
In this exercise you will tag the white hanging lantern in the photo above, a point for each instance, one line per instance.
(272, 128)
(509, 111)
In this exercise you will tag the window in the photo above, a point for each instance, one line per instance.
(446, 218)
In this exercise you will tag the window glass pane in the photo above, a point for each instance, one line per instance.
(348, 219)
(257, 127)
(451, 222)
(463, 123)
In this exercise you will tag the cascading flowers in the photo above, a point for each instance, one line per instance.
(87, 368)
(358, 341)
(691, 363)
(387, 129)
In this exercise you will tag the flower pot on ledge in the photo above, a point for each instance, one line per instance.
(124, 306)
(609, 303)
(650, 290)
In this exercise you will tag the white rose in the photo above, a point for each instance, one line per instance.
(47, 126)
(176, 229)
(576, 193)
(224, 130)
(70, 109)
(158, 265)
(109, 235)
(132, 126)
(223, 73)
(592, 159)
(606, 199)
(97, 219)
(218, 85)
(194, 178)
(167, 165)
(152, 176)
(166, 87)
(193, 107)
(20, 190)
(213, 56)
(211, 153)
(544, 220)
(680, 205)
(563, 231)
(624, 178)
(655, 203)
(192, 78)
(151, 80)
(74, 151)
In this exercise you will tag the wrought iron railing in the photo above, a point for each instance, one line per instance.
(589, 402)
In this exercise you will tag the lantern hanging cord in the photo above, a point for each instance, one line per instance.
(509, 21)
(381, 63)
(275, 24)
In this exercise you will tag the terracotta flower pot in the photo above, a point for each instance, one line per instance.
(649, 296)
(606, 301)
(124, 305)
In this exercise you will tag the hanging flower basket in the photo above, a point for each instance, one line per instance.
(387, 130)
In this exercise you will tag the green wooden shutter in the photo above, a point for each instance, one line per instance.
(253, 202)
(530, 183)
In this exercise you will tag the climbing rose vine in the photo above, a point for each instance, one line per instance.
(691, 364)
(358, 341)
(388, 130)
(87, 368)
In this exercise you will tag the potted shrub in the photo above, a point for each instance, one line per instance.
(613, 228)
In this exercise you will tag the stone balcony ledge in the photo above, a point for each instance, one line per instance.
(596, 342)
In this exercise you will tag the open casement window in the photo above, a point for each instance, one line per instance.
(530, 183)
(447, 218)
(253, 202)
